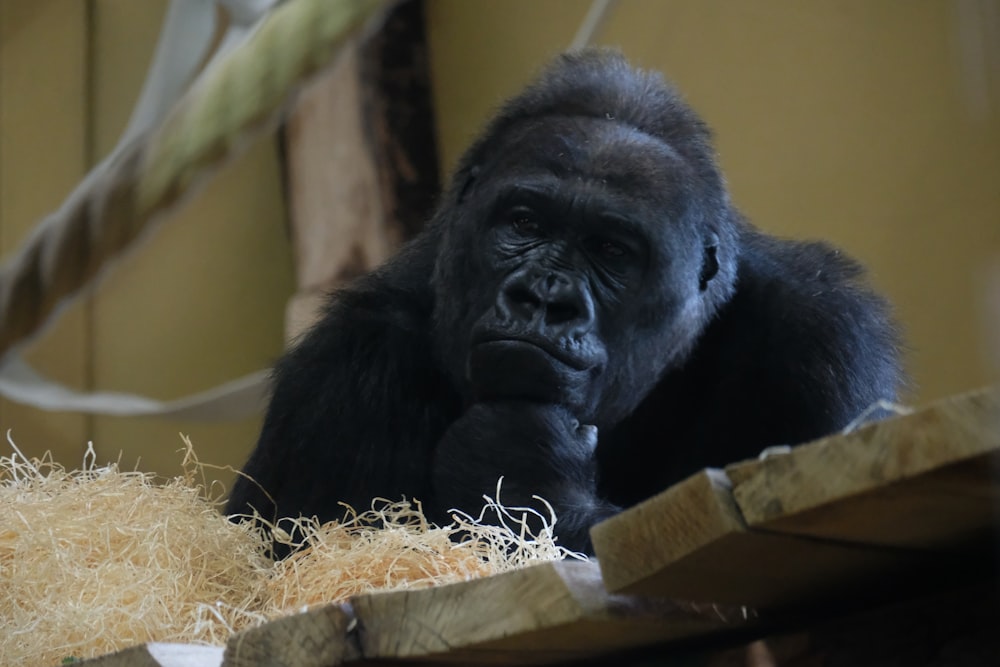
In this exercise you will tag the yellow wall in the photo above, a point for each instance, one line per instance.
(43, 153)
(837, 119)
(199, 302)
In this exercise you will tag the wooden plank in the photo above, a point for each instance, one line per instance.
(160, 655)
(691, 543)
(538, 615)
(315, 638)
(928, 480)
(956, 626)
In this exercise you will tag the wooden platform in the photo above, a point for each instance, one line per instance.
(898, 508)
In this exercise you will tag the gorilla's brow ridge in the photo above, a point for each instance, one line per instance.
(632, 135)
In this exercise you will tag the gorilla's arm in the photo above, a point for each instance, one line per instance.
(357, 404)
(538, 449)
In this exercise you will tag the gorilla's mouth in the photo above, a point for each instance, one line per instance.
(505, 367)
(515, 346)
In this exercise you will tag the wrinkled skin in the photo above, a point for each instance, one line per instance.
(586, 316)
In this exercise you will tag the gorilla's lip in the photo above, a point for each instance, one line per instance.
(575, 362)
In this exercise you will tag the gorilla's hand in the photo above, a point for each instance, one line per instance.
(539, 449)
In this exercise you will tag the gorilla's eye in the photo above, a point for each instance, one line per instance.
(612, 249)
(525, 222)
(608, 248)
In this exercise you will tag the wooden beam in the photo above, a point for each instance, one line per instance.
(362, 171)
(395, 74)
(336, 209)
(929, 480)
(691, 543)
(539, 615)
(315, 638)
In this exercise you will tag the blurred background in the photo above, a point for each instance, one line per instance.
(874, 124)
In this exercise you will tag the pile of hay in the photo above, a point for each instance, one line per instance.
(98, 559)
(394, 546)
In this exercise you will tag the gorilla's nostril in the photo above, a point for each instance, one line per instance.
(522, 296)
(561, 312)
(521, 301)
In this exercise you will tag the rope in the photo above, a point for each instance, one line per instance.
(592, 23)
(232, 102)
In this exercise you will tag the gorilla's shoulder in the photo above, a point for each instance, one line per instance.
(811, 276)
(810, 303)
(397, 294)
(375, 320)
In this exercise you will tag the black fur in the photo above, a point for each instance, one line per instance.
(586, 315)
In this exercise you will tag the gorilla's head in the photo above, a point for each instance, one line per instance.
(587, 239)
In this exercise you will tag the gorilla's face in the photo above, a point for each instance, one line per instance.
(574, 267)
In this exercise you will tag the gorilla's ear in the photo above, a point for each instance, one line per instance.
(710, 261)
(467, 185)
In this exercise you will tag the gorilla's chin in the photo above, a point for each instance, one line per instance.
(518, 369)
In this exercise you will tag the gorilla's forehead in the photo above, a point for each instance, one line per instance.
(587, 151)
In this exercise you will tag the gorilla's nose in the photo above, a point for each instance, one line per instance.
(551, 299)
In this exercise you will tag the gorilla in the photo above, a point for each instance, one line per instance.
(586, 315)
